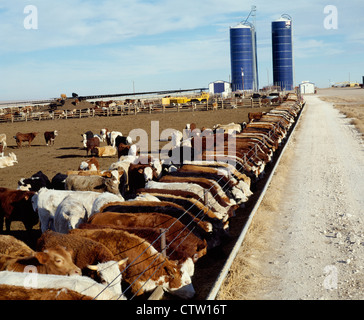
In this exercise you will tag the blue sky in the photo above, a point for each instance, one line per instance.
(101, 47)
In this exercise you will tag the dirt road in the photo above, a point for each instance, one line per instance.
(307, 240)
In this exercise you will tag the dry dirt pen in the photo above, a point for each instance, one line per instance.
(68, 153)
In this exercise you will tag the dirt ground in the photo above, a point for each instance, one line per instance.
(306, 241)
(350, 101)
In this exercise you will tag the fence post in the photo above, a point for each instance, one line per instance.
(206, 199)
(163, 242)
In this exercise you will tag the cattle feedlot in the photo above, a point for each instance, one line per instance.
(180, 223)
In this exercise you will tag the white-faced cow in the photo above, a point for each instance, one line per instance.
(50, 136)
(143, 272)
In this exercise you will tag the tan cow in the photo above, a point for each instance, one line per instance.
(53, 261)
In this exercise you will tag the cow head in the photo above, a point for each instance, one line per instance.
(113, 182)
(109, 273)
(180, 283)
(148, 173)
(58, 260)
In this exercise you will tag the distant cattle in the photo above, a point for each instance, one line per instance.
(35, 182)
(110, 136)
(57, 260)
(91, 145)
(50, 136)
(126, 150)
(90, 164)
(59, 181)
(3, 142)
(15, 205)
(229, 128)
(121, 139)
(255, 116)
(22, 137)
(8, 161)
(106, 151)
(94, 183)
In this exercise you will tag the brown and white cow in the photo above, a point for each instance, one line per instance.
(22, 137)
(146, 267)
(90, 165)
(181, 243)
(50, 136)
(254, 116)
(93, 258)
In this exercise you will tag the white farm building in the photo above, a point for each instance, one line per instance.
(220, 87)
(307, 87)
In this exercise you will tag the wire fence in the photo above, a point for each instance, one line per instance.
(40, 113)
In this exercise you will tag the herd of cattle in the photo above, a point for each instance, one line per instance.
(141, 224)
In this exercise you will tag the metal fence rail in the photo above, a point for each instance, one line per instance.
(19, 114)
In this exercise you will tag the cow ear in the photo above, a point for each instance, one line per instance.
(42, 257)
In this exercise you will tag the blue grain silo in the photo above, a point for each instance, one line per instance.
(243, 55)
(282, 49)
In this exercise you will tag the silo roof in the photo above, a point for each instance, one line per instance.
(240, 25)
(282, 19)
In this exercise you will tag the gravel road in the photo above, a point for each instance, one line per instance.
(311, 239)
